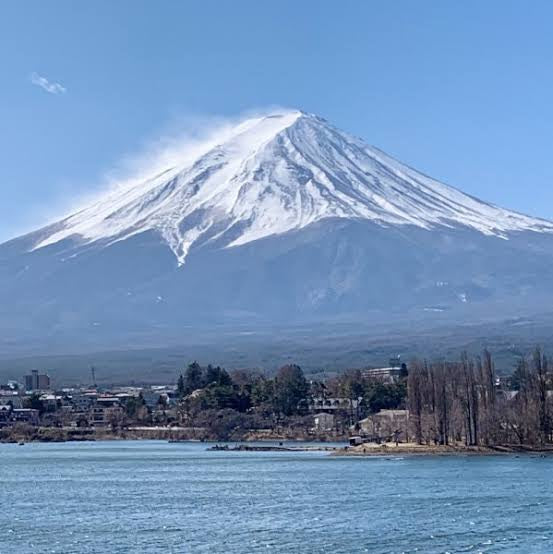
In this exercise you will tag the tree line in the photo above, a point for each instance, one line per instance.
(448, 403)
(461, 402)
(223, 401)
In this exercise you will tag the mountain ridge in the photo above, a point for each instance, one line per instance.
(279, 173)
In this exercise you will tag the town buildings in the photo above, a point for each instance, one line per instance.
(34, 403)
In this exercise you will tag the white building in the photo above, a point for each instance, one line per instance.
(323, 422)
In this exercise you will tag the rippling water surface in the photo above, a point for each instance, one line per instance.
(156, 497)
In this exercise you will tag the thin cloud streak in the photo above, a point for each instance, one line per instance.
(45, 84)
(177, 144)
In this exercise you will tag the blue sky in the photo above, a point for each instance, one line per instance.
(459, 90)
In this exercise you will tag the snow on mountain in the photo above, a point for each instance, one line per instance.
(278, 173)
(281, 220)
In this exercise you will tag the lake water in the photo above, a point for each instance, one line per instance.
(156, 497)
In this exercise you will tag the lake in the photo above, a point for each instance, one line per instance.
(156, 497)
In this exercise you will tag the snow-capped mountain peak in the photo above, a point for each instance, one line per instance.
(275, 174)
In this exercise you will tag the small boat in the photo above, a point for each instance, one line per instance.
(21, 443)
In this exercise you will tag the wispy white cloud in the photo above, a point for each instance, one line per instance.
(175, 145)
(45, 84)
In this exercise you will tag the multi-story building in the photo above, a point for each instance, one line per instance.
(386, 375)
(330, 405)
(106, 411)
(26, 415)
(37, 381)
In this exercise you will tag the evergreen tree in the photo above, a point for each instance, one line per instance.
(291, 389)
(35, 403)
(181, 387)
(218, 376)
(193, 378)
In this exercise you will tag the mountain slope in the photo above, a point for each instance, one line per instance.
(276, 174)
(283, 221)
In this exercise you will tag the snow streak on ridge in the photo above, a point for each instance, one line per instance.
(275, 174)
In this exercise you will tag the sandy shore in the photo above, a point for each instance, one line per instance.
(391, 449)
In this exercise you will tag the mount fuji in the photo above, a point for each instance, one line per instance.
(283, 220)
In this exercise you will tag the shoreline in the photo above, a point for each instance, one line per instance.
(169, 434)
(272, 448)
(283, 444)
(412, 449)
